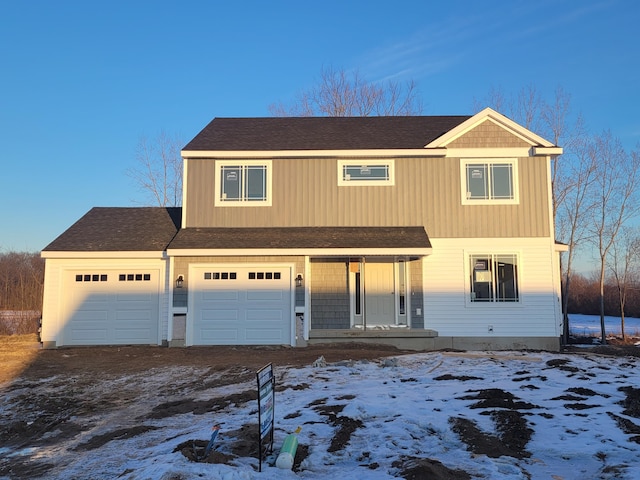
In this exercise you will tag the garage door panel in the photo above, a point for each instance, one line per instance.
(219, 336)
(89, 336)
(264, 315)
(140, 334)
(265, 295)
(220, 295)
(263, 335)
(218, 316)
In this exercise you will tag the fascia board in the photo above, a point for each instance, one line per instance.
(547, 151)
(394, 152)
(561, 247)
(481, 152)
(497, 118)
(333, 252)
(115, 254)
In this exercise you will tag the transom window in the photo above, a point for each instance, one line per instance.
(243, 183)
(494, 278)
(489, 181)
(365, 172)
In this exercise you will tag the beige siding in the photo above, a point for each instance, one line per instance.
(487, 135)
(426, 192)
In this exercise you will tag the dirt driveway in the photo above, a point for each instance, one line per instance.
(56, 395)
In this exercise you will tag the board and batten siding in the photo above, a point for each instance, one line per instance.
(447, 290)
(426, 193)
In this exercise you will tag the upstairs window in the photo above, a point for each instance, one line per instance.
(243, 183)
(494, 278)
(489, 182)
(365, 172)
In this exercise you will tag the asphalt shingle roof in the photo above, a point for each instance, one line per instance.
(322, 133)
(106, 229)
(301, 238)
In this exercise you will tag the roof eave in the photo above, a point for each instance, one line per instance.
(330, 252)
(102, 254)
(368, 153)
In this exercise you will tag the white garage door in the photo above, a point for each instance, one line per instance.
(111, 307)
(233, 305)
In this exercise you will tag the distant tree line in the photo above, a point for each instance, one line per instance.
(584, 297)
(21, 281)
(21, 289)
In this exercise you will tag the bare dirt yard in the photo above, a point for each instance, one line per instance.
(56, 395)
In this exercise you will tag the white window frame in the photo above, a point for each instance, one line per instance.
(464, 194)
(372, 181)
(494, 258)
(243, 202)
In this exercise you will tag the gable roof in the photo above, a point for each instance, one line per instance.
(107, 229)
(322, 133)
(303, 240)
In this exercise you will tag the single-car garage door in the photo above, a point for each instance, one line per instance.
(111, 307)
(240, 305)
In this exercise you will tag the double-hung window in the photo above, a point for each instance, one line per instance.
(489, 181)
(494, 277)
(365, 172)
(243, 183)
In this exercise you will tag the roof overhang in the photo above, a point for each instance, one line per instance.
(295, 252)
(101, 254)
(397, 152)
(301, 241)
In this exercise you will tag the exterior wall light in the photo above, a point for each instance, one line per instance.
(179, 281)
(299, 280)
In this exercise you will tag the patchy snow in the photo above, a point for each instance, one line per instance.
(578, 408)
(405, 405)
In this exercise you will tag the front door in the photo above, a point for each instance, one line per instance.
(379, 297)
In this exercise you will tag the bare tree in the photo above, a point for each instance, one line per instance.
(158, 172)
(617, 181)
(625, 256)
(343, 94)
(524, 107)
(574, 210)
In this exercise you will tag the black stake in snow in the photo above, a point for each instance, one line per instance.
(266, 413)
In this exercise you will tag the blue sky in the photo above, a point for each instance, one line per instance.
(82, 81)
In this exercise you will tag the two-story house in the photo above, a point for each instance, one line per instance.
(424, 232)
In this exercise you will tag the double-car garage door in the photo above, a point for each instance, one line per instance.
(111, 307)
(240, 305)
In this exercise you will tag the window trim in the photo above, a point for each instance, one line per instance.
(464, 162)
(361, 182)
(468, 271)
(243, 202)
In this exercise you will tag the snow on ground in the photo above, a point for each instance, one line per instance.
(576, 405)
(589, 325)
(405, 405)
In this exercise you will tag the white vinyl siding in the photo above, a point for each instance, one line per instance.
(447, 306)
